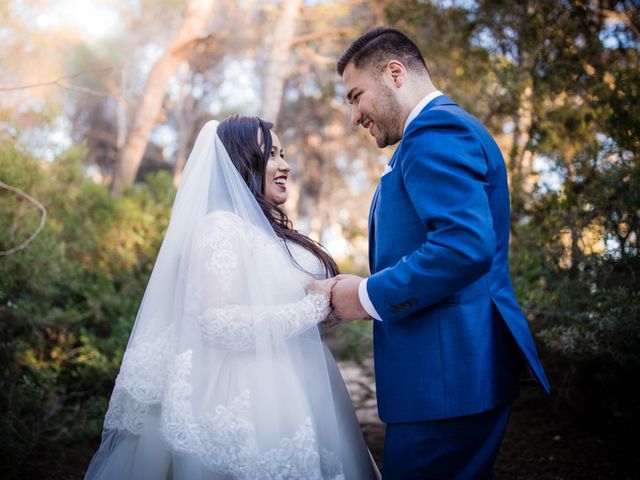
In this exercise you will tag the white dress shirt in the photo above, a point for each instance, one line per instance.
(363, 295)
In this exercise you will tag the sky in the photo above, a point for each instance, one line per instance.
(94, 19)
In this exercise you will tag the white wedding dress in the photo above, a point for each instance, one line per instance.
(225, 375)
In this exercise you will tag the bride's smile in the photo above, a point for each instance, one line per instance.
(277, 173)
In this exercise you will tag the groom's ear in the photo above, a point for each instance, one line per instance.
(397, 73)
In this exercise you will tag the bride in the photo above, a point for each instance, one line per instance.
(225, 375)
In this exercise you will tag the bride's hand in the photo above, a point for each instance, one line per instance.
(321, 286)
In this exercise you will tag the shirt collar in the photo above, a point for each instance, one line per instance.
(418, 108)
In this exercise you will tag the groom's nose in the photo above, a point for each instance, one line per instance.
(356, 116)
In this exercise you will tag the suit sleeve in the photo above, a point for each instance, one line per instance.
(444, 171)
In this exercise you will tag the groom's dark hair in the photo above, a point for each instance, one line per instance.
(378, 46)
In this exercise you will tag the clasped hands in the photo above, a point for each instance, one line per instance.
(343, 290)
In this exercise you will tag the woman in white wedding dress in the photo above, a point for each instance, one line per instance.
(225, 375)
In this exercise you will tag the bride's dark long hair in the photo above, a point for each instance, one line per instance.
(240, 137)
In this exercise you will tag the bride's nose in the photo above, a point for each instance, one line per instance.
(283, 166)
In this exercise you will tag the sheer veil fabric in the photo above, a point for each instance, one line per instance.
(225, 375)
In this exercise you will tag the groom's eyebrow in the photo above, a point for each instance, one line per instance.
(350, 94)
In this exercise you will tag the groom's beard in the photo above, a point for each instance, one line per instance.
(387, 117)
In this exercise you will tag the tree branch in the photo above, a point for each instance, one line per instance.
(42, 218)
(59, 82)
(328, 33)
(621, 17)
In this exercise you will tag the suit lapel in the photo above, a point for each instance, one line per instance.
(441, 100)
(372, 227)
(372, 215)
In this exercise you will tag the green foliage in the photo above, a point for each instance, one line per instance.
(351, 341)
(576, 264)
(607, 327)
(579, 277)
(67, 302)
(459, 66)
(564, 75)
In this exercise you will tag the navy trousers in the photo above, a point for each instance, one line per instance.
(450, 449)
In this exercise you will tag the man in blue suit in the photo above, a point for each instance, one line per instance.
(450, 340)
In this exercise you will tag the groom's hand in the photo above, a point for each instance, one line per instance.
(344, 298)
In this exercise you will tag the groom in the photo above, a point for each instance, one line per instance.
(449, 337)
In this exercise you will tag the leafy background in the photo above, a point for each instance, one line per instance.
(556, 82)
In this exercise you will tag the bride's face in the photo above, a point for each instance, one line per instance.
(275, 187)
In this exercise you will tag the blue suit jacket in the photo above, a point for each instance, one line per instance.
(453, 338)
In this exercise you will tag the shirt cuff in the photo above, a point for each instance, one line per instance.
(363, 295)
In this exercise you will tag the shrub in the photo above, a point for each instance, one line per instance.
(67, 303)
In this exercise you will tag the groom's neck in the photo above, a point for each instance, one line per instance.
(417, 87)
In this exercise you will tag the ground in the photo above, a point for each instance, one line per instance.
(545, 439)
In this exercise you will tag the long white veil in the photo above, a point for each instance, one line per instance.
(225, 374)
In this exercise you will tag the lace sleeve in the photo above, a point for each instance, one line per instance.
(234, 327)
(232, 256)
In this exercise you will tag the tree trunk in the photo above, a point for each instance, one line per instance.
(522, 133)
(121, 140)
(186, 113)
(196, 18)
(276, 72)
(521, 158)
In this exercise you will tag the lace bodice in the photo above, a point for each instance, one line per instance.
(224, 319)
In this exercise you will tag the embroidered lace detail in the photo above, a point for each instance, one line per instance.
(125, 412)
(224, 321)
(139, 384)
(225, 441)
(217, 236)
(234, 327)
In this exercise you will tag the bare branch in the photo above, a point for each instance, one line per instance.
(316, 57)
(317, 35)
(88, 91)
(42, 218)
(59, 82)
